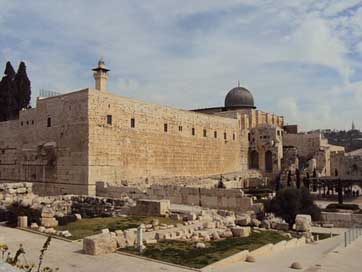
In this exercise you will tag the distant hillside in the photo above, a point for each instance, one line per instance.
(351, 140)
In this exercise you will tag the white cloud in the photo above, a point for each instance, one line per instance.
(296, 56)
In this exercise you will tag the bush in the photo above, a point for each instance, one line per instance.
(336, 206)
(15, 210)
(291, 201)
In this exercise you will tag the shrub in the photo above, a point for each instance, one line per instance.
(334, 206)
(291, 201)
(15, 210)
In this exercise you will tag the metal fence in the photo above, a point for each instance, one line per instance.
(351, 234)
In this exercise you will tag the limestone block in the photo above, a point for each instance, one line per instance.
(227, 234)
(121, 241)
(215, 236)
(281, 226)
(200, 245)
(34, 226)
(175, 216)
(22, 221)
(99, 244)
(209, 225)
(66, 234)
(255, 222)
(303, 222)
(160, 236)
(265, 224)
(78, 216)
(49, 222)
(155, 222)
(191, 216)
(240, 231)
(130, 236)
(105, 230)
(243, 220)
(119, 233)
(41, 229)
(47, 212)
(150, 241)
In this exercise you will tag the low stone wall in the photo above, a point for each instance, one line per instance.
(342, 220)
(261, 251)
(228, 199)
(16, 189)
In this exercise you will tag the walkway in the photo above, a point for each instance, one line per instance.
(68, 257)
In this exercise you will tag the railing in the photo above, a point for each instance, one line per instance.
(351, 234)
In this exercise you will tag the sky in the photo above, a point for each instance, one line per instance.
(301, 59)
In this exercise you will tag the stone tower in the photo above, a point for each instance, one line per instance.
(101, 76)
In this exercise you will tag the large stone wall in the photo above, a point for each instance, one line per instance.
(342, 220)
(65, 144)
(229, 199)
(48, 145)
(117, 151)
(346, 165)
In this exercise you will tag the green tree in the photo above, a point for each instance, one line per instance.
(23, 87)
(8, 103)
(289, 202)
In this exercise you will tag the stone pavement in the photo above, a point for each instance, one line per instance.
(342, 259)
(68, 257)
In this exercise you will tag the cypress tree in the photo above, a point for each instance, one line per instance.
(8, 93)
(23, 87)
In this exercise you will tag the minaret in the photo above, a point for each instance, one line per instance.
(101, 76)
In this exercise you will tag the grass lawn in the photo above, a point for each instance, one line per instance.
(184, 253)
(90, 226)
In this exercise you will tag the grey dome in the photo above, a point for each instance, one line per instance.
(239, 97)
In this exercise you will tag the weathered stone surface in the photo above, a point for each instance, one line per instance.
(34, 226)
(48, 222)
(240, 231)
(78, 216)
(281, 226)
(200, 245)
(99, 244)
(243, 220)
(303, 222)
(130, 235)
(47, 212)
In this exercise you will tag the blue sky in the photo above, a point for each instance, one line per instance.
(300, 58)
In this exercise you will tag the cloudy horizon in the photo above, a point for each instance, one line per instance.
(300, 58)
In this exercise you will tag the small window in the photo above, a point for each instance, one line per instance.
(165, 127)
(249, 137)
(27, 122)
(193, 131)
(205, 133)
(234, 136)
(49, 122)
(225, 136)
(3, 151)
(32, 122)
(21, 123)
(278, 132)
(133, 123)
(109, 119)
(215, 134)
(179, 128)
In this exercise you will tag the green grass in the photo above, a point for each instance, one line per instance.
(184, 253)
(90, 226)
